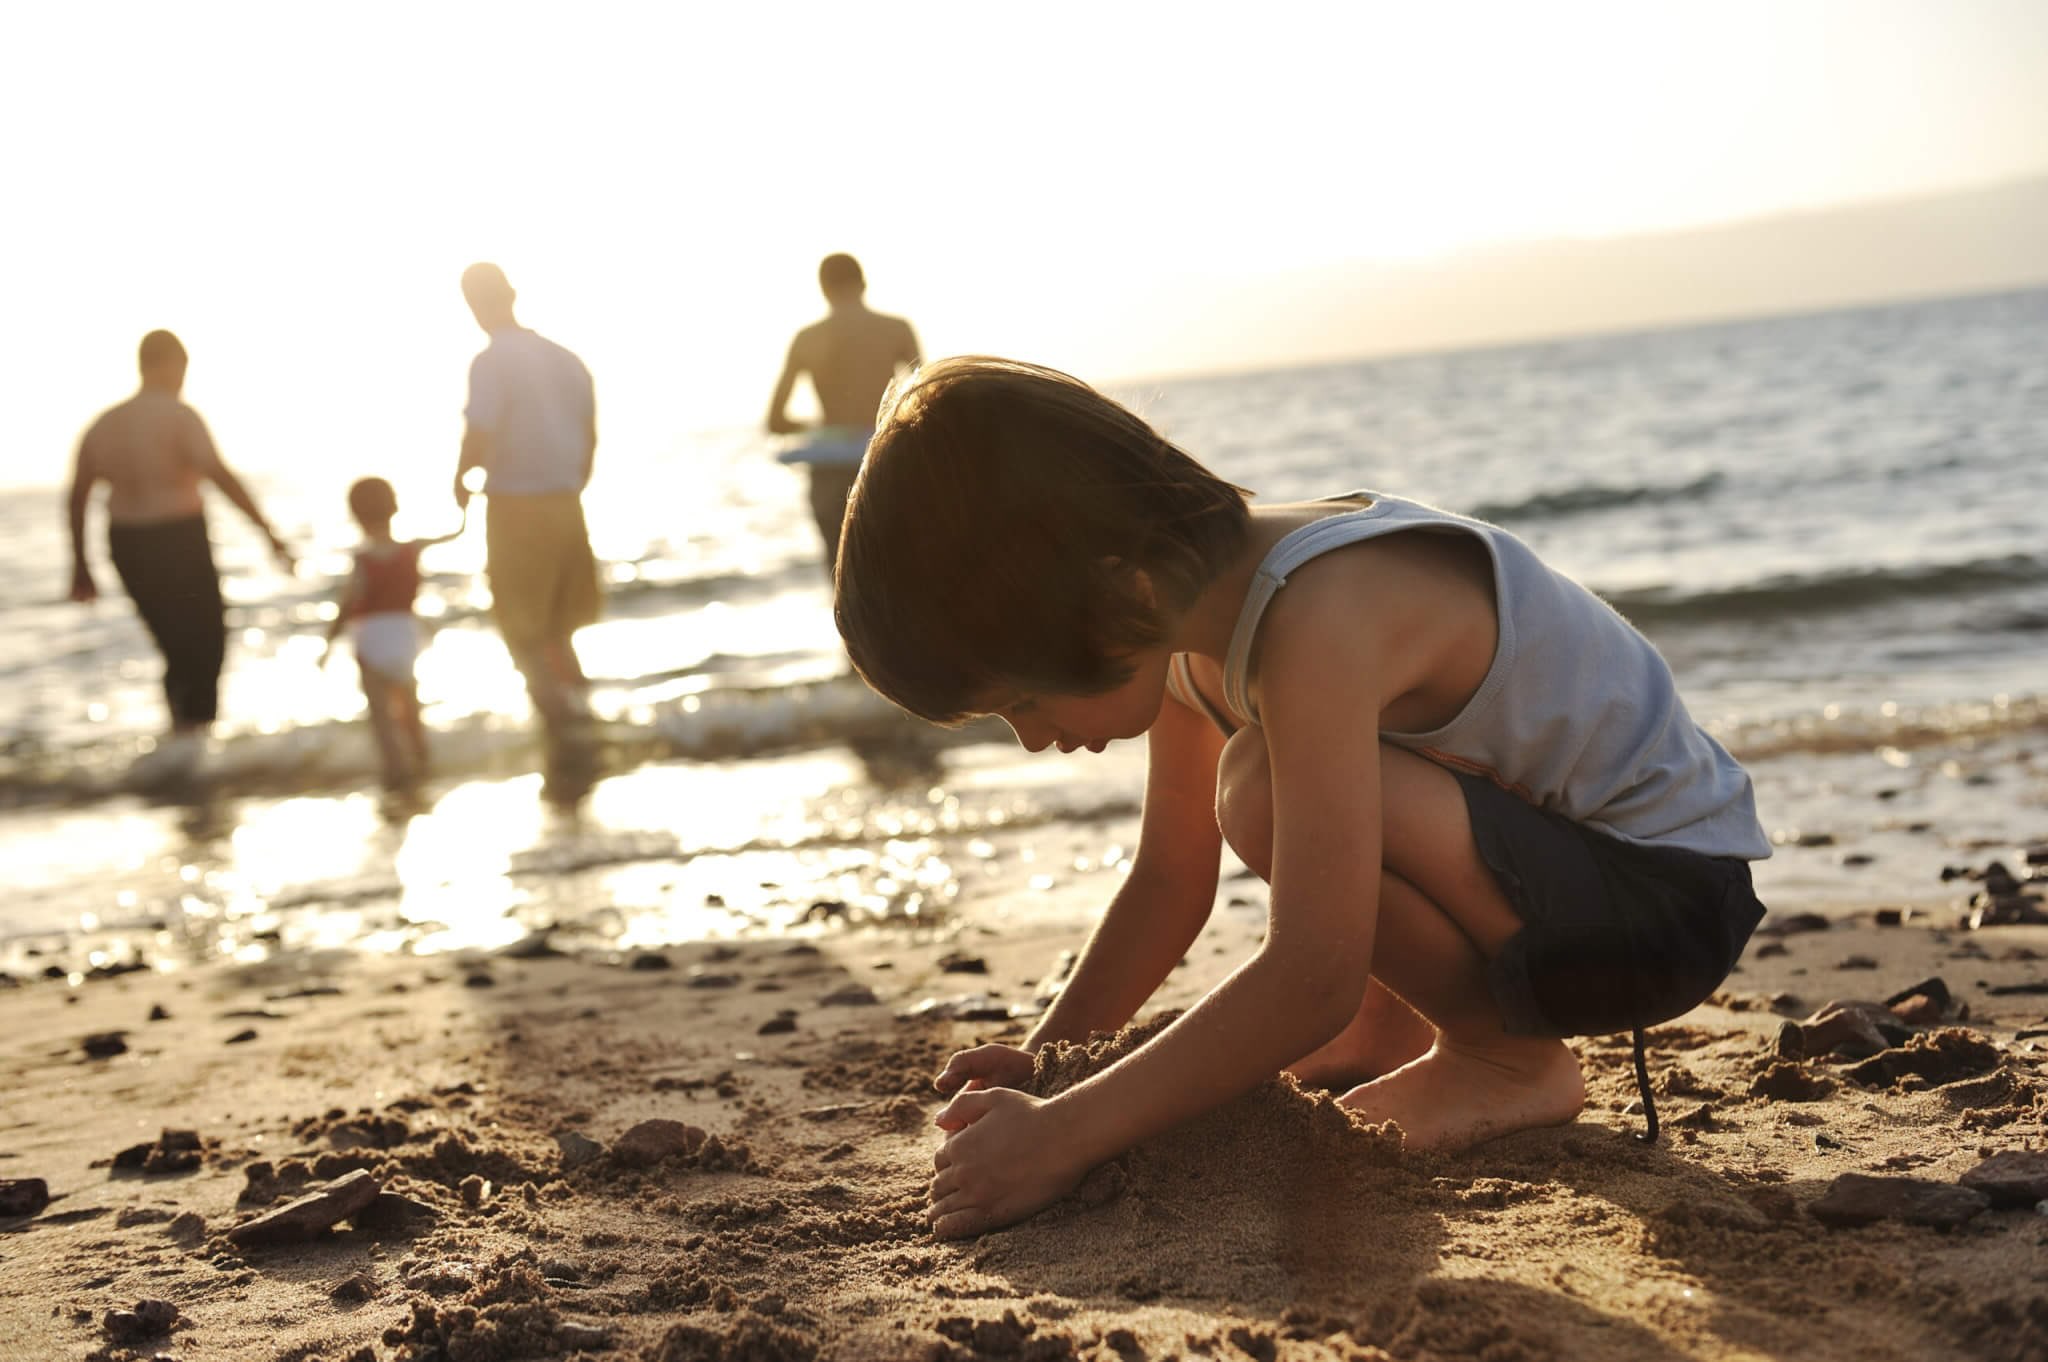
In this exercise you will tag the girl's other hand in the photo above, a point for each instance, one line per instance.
(986, 1066)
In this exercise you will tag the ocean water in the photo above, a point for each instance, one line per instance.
(1835, 527)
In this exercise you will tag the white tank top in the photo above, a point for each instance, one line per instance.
(1578, 713)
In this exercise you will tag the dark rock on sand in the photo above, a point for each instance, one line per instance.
(652, 1141)
(577, 1148)
(2002, 910)
(104, 1044)
(392, 1214)
(850, 995)
(699, 977)
(158, 1012)
(2015, 1177)
(1919, 1009)
(354, 1289)
(187, 1227)
(146, 1320)
(535, 945)
(1859, 1199)
(781, 1023)
(1851, 1027)
(311, 1214)
(1934, 990)
(959, 962)
(23, 1196)
(243, 1036)
(650, 960)
(172, 1151)
(1794, 924)
(964, 1007)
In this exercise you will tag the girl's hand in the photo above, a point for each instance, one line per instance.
(1006, 1158)
(986, 1066)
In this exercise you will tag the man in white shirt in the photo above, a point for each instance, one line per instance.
(531, 425)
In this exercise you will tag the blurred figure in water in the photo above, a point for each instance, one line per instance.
(153, 452)
(851, 355)
(376, 609)
(531, 425)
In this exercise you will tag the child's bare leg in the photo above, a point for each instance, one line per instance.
(1477, 1081)
(1386, 1033)
(1441, 916)
(415, 728)
(385, 728)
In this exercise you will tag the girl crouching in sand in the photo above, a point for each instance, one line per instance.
(1486, 817)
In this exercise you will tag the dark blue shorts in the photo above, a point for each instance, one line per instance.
(1614, 935)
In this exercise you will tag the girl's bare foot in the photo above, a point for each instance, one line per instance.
(1385, 1034)
(1461, 1094)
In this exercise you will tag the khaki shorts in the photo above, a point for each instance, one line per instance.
(542, 573)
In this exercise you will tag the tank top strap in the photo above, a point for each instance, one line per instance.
(1180, 683)
(1299, 546)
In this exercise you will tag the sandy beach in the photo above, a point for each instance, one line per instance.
(719, 1150)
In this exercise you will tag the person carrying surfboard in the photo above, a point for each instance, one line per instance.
(851, 357)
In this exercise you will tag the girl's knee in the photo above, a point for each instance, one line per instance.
(1244, 800)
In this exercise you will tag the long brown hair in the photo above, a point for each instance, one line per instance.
(991, 537)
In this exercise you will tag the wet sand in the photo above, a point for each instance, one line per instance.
(495, 1108)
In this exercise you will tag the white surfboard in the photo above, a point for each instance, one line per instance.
(826, 445)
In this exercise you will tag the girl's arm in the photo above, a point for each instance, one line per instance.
(1168, 895)
(452, 535)
(1321, 695)
(1326, 677)
(1155, 915)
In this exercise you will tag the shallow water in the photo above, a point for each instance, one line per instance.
(1830, 525)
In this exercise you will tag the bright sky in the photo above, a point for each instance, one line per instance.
(295, 187)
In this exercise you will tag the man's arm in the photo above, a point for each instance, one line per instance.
(84, 476)
(206, 458)
(779, 422)
(476, 453)
(589, 434)
(449, 537)
(479, 419)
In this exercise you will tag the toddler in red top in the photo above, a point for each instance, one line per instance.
(377, 611)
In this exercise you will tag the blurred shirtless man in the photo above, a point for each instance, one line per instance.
(153, 451)
(851, 356)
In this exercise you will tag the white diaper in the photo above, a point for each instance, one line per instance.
(387, 643)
